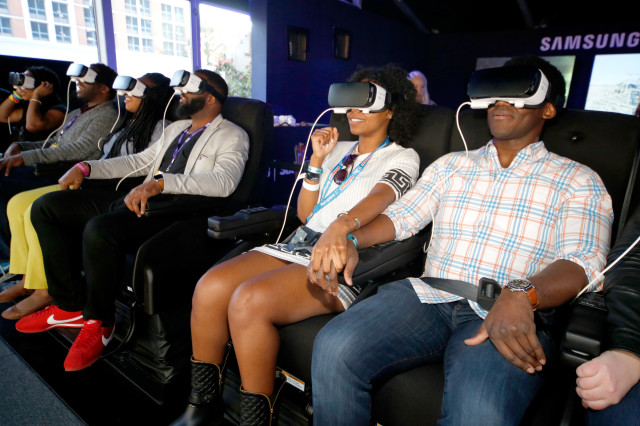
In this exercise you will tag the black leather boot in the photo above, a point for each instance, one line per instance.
(206, 406)
(257, 409)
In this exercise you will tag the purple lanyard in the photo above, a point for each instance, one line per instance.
(182, 142)
(70, 123)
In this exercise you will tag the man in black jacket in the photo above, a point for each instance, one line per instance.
(608, 384)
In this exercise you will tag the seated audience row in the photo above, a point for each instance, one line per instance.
(543, 249)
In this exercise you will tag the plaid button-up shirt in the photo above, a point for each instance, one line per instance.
(505, 223)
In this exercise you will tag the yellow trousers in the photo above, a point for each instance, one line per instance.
(26, 255)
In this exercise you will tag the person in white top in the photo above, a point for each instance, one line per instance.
(347, 185)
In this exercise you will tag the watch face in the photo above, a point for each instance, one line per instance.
(519, 284)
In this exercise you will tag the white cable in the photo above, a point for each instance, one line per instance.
(605, 270)
(159, 144)
(114, 124)
(66, 111)
(300, 174)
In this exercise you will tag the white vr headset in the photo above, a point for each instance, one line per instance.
(363, 96)
(186, 82)
(521, 86)
(23, 81)
(129, 86)
(79, 72)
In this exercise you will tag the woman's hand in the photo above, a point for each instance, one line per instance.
(323, 141)
(42, 91)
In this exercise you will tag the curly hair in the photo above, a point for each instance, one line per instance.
(406, 111)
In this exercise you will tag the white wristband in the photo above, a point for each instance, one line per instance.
(310, 187)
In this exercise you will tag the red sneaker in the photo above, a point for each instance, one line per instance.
(48, 318)
(88, 346)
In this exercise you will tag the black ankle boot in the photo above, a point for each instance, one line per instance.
(260, 410)
(206, 406)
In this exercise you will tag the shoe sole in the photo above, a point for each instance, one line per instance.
(50, 328)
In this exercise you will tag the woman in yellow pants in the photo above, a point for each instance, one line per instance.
(142, 126)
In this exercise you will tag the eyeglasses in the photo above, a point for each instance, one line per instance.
(342, 174)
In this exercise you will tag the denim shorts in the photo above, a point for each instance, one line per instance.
(297, 248)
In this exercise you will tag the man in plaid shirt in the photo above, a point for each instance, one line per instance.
(537, 223)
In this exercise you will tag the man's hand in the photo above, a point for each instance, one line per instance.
(8, 163)
(324, 273)
(605, 380)
(13, 149)
(510, 327)
(73, 178)
(136, 200)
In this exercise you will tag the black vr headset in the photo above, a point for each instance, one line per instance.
(79, 72)
(186, 82)
(24, 81)
(363, 96)
(130, 86)
(521, 86)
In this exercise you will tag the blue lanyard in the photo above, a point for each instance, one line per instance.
(182, 143)
(327, 198)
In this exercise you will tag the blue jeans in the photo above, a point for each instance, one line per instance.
(392, 332)
(626, 412)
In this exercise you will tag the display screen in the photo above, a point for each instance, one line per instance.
(615, 84)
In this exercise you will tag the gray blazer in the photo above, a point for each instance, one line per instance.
(78, 142)
(214, 167)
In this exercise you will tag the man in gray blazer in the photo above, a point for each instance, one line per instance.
(91, 230)
(77, 139)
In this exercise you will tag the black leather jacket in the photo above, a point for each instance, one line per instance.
(622, 291)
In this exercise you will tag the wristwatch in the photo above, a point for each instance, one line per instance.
(158, 177)
(525, 286)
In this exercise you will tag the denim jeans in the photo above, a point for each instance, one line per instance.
(626, 412)
(392, 332)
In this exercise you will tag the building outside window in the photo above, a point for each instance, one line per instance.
(145, 27)
(37, 10)
(132, 25)
(4, 6)
(5, 26)
(147, 45)
(166, 12)
(63, 34)
(145, 8)
(130, 7)
(134, 43)
(39, 31)
(60, 13)
(91, 38)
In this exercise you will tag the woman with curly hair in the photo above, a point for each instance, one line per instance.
(246, 298)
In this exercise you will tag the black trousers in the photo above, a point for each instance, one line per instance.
(81, 230)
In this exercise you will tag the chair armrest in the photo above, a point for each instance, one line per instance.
(165, 204)
(248, 222)
(53, 169)
(585, 334)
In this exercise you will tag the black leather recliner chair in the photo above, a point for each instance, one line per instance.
(606, 142)
(153, 345)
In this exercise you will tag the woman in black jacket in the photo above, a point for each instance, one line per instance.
(608, 384)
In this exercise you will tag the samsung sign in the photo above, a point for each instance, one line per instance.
(590, 41)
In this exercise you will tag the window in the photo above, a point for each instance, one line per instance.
(4, 5)
(39, 31)
(130, 7)
(147, 45)
(168, 48)
(179, 19)
(37, 10)
(166, 12)
(225, 46)
(5, 26)
(145, 8)
(63, 34)
(89, 20)
(181, 50)
(167, 31)
(132, 25)
(60, 13)
(91, 38)
(133, 43)
(145, 27)
(179, 33)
